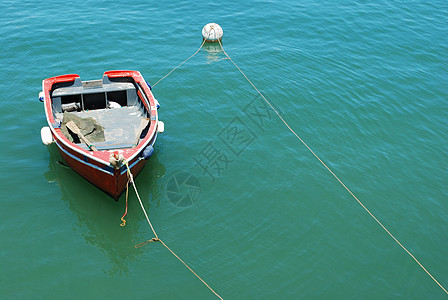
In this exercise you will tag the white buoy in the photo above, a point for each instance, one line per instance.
(212, 32)
(45, 135)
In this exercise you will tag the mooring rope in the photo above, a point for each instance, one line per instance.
(331, 172)
(126, 211)
(156, 238)
(200, 47)
(131, 179)
(180, 64)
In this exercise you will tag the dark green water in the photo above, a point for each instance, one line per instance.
(364, 83)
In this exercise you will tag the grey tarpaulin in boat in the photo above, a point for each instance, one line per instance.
(89, 127)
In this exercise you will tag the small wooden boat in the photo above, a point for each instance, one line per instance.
(99, 126)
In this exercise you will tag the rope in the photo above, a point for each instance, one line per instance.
(156, 238)
(126, 211)
(191, 270)
(131, 179)
(332, 173)
(200, 47)
(180, 64)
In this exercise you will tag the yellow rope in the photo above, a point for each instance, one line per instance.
(156, 238)
(126, 211)
(191, 270)
(332, 173)
(131, 179)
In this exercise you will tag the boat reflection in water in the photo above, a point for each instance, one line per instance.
(99, 218)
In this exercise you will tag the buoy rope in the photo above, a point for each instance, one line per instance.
(200, 47)
(332, 173)
(180, 64)
(156, 238)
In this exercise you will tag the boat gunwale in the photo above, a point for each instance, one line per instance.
(102, 156)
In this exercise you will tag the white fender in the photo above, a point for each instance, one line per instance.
(46, 136)
(160, 126)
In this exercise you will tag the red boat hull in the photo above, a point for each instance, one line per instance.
(109, 180)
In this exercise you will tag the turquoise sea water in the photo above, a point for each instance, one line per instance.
(364, 83)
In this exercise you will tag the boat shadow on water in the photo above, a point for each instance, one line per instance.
(99, 216)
